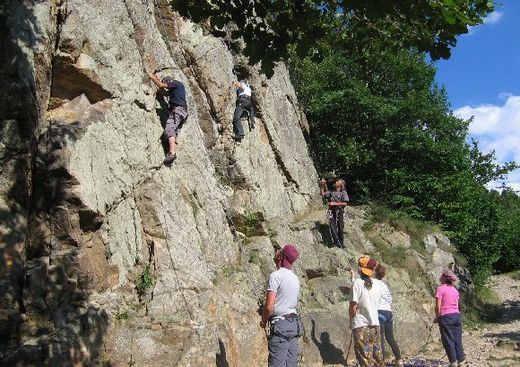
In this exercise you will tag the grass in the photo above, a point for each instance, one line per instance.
(481, 307)
(122, 315)
(514, 274)
(394, 256)
(249, 223)
(417, 229)
(144, 281)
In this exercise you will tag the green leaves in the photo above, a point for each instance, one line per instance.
(269, 28)
(379, 120)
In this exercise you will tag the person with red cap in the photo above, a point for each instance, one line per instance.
(364, 319)
(449, 319)
(280, 310)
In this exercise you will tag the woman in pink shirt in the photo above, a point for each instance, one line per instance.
(449, 319)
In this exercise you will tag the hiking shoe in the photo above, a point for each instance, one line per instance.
(169, 158)
(463, 364)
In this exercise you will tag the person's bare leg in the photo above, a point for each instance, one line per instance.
(173, 146)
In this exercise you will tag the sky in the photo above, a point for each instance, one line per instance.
(482, 79)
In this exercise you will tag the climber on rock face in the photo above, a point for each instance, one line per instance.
(280, 305)
(337, 201)
(244, 103)
(178, 111)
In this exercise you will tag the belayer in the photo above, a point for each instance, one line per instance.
(244, 103)
(178, 112)
(337, 201)
(280, 310)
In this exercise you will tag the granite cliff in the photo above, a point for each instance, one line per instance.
(110, 258)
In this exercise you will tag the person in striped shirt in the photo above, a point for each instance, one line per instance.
(386, 318)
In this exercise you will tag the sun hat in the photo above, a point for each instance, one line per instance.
(367, 265)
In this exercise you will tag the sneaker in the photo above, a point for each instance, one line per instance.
(463, 364)
(399, 363)
(238, 139)
(169, 158)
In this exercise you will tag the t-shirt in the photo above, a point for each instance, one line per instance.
(449, 296)
(367, 303)
(385, 303)
(245, 90)
(336, 196)
(287, 287)
(176, 93)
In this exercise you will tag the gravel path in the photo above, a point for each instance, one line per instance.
(498, 344)
(495, 344)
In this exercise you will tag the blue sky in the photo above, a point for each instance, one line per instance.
(482, 79)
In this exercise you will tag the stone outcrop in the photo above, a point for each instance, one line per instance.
(109, 257)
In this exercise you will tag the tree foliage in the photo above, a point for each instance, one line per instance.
(380, 121)
(269, 27)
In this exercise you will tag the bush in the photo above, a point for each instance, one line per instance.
(144, 281)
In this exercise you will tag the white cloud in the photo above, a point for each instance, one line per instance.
(497, 128)
(494, 18)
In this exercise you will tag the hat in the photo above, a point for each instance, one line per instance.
(367, 265)
(449, 275)
(290, 254)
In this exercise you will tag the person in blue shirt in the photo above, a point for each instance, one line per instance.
(178, 112)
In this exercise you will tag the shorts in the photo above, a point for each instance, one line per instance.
(176, 119)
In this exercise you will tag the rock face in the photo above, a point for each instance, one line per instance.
(109, 257)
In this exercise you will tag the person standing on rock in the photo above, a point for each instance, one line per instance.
(364, 320)
(450, 321)
(244, 103)
(279, 310)
(178, 112)
(386, 317)
(337, 201)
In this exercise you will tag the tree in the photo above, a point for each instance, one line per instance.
(508, 232)
(269, 27)
(379, 120)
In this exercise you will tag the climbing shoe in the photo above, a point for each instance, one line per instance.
(169, 158)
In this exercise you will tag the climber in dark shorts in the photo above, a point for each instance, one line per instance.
(178, 111)
(337, 201)
(244, 103)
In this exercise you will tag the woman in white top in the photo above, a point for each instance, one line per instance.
(386, 318)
